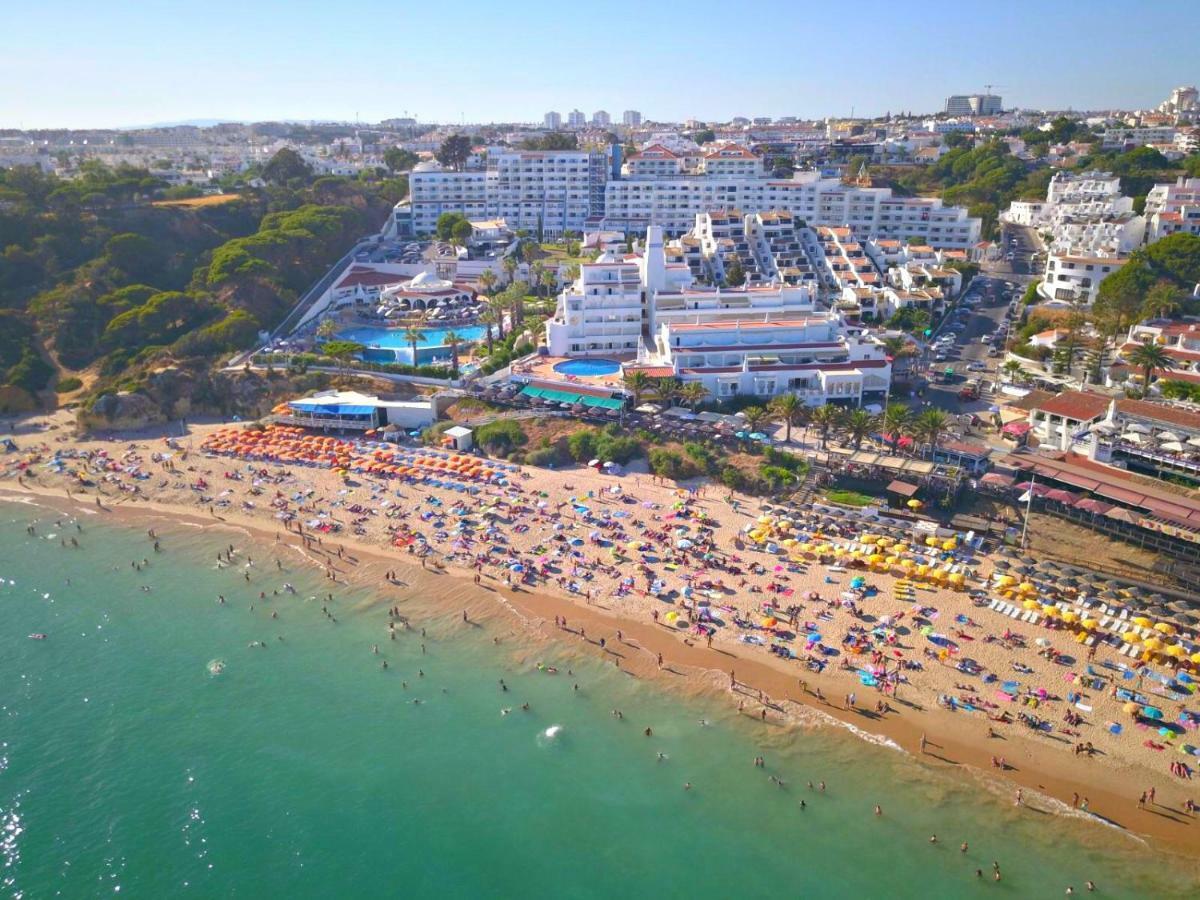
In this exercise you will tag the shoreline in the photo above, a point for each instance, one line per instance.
(696, 670)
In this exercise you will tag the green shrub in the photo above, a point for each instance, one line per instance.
(66, 385)
(501, 437)
(547, 457)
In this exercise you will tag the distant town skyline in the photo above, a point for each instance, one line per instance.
(99, 67)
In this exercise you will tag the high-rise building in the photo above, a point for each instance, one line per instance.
(631, 117)
(552, 120)
(576, 119)
(1183, 100)
(973, 105)
(601, 119)
(550, 191)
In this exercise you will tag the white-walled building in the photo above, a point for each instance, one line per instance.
(761, 340)
(1076, 278)
(552, 121)
(551, 190)
(1173, 208)
(631, 117)
(672, 202)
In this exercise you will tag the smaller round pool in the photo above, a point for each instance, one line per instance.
(586, 367)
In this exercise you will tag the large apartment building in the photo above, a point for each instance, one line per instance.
(554, 191)
(672, 201)
(563, 190)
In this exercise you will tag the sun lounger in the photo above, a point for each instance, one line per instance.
(995, 602)
(1014, 612)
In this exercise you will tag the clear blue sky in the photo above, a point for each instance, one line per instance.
(84, 63)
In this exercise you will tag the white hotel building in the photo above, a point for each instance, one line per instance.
(555, 191)
(672, 202)
(564, 190)
(759, 340)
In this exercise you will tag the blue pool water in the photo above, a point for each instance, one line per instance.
(393, 338)
(584, 367)
(387, 345)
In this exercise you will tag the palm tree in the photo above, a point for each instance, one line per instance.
(637, 383)
(509, 264)
(666, 390)
(786, 408)
(549, 280)
(453, 339)
(327, 329)
(487, 318)
(896, 421)
(898, 348)
(755, 416)
(858, 425)
(487, 281)
(1149, 356)
(929, 427)
(1161, 301)
(1014, 370)
(693, 394)
(535, 277)
(826, 418)
(413, 334)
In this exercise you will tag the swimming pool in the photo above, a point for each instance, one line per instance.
(388, 345)
(394, 339)
(585, 367)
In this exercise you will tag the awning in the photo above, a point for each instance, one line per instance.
(557, 396)
(996, 480)
(1018, 428)
(333, 409)
(902, 488)
(602, 402)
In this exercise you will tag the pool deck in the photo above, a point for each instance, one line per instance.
(542, 368)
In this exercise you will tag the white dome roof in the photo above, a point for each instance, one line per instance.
(427, 281)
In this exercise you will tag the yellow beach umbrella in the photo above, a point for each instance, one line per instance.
(1141, 620)
(1152, 643)
(1175, 651)
(949, 545)
(1049, 609)
(914, 504)
(1131, 637)
(1070, 616)
(1164, 627)
(1195, 657)
(1031, 604)
(1089, 623)
(931, 542)
(1026, 587)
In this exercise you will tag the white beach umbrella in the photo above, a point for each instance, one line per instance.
(1133, 437)
(1168, 436)
(1138, 427)
(1172, 447)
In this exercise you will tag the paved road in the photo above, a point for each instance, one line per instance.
(983, 319)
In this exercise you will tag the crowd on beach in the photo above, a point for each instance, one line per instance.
(909, 619)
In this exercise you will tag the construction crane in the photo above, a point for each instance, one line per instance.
(987, 88)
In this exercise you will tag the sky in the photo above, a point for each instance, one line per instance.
(83, 64)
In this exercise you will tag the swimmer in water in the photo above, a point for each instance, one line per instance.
(506, 711)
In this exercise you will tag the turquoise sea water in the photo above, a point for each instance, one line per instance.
(303, 769)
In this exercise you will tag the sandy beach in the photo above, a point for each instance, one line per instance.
(667, 585)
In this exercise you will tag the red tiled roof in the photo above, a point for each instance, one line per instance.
(1158, 412)
(1078, 405)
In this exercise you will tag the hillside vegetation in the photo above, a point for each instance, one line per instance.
(95, 274)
